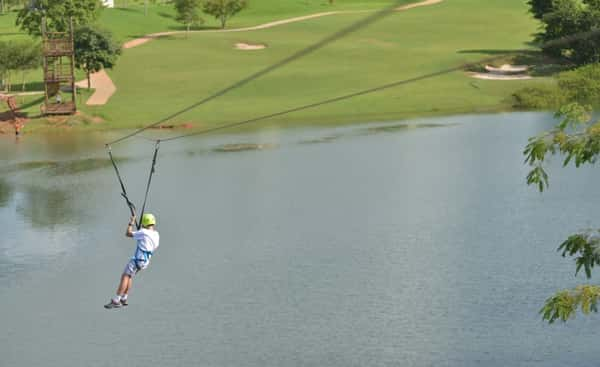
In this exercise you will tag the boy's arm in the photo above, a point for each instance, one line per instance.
(129, 232)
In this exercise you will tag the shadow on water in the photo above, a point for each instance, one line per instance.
(321, 140)
(6, 193)
(59, 168)
(81, 166)
(399, 127)
(70, 145)
(243, 147)
(373, 130)
(45, 208)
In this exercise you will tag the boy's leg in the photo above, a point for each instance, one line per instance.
(124, 284)
(129, 283)
(116, 301)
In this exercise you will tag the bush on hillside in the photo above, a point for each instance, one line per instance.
(539, 97)
(581, 85)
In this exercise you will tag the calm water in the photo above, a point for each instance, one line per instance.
(333, 247)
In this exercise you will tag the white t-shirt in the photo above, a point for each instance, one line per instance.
(147, 243)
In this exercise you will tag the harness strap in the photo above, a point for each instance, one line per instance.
(152, 170)
(147, 254)
(123, 191)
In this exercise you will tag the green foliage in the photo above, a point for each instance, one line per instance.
(586, 247)
(564, 304)
(7, 5)
(187, 12)
(563, 19)
(223, 9)
(539, 97)
(18, 55)
(581, 85)
(95, 49)
(577, 137)
(540, 7)
(57, 13)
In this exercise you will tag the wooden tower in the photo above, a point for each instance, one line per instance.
(59, 71)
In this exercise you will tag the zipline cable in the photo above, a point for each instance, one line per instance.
(328, 101)
(306, 51)
(557, 42)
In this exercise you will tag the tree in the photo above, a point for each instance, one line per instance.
(57, 13)
(18, 55)
(223, 9)
(10, 57)
(577, 137)
(540, 7)
(94, 49)
(187, 12)
(29, 58)
(562, 19)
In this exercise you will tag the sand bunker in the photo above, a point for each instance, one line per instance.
(499, 77)
(507, 69)
(504, 72)
(249, 47)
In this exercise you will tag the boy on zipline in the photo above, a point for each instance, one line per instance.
(147, 242)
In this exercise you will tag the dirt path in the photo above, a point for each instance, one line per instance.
(105, 88)
(417, 5)
(149, 37)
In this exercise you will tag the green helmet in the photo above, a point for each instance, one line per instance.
(148, 220)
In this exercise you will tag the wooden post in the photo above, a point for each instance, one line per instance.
(44, 48)
(72, 43)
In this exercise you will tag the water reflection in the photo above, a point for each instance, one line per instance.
(45, 208)
(71, 144)
(400, 127)
(60, 168)
(387, 128)
(6, 192)
(321, 140)
(242, 147)
(81, 166)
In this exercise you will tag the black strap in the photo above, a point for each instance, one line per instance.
(123, 191)
(152, 170)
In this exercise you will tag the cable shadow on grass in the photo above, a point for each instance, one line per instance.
(165, 15)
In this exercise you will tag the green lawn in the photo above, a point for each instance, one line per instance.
(169, 74)
(131, 22)
(166, 75)
(128, 19)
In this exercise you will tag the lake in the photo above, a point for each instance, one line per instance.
(415, 243)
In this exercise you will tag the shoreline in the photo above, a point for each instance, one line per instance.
(327, 122)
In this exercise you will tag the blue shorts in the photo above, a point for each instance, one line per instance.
(133, 267)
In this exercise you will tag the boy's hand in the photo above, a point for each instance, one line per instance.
(132, 220)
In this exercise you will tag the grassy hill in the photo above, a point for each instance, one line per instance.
(168, 74)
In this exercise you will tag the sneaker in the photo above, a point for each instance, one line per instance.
(124, 302)
(112, 304)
